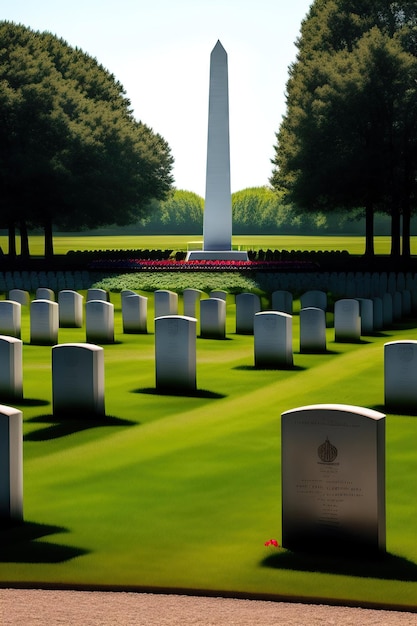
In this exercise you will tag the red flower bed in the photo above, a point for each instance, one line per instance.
(169, 265)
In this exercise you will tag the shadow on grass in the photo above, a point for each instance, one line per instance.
(19, 544)
(404, 411)
(186, 393)
(32, 402)
(267, 368)
(61, 426)
(386, 567)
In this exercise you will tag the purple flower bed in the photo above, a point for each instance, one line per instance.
(169, 265)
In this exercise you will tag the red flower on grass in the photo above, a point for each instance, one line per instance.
(272, 542)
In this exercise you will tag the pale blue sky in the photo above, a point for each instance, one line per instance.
(160, 52)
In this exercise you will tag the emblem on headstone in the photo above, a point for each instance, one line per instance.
(327, 452)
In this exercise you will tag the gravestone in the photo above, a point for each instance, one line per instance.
(347, 320)
(387, 309)
(165, 302)
(213, 318)
(378, 314)
(11, 464)
(314, 298)
(273, 340)
(135, 314)
(333, 479)
(247, 305)
(312, 330)
(175, 353)
(44, 293)
(19, 295)
(97, 294)
(218, 293)
(11, 368)
(190, 299)
(99, 321)
(10, 318)
(78, 380)
(400, 375)
(282, 301)
(397, 306)
(44, 322)
(70, 309)
(366, 311)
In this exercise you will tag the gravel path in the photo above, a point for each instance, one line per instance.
(29, 607)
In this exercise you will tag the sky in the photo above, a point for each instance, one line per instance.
(159, 50)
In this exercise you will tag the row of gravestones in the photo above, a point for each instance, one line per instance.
(344, 284)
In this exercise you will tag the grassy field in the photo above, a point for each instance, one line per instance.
(355, 245)
(182, 492)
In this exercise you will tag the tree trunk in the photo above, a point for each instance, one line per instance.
(406, 231)
(24, 240)
(12, 240)
(395, 233)
(49, 242)
(369, 230)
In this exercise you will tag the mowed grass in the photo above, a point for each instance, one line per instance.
(62, 244)
(179, 492)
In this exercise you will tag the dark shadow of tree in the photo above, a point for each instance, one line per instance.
(19, 544)
(385, 566)
(404, 411)
(63, 425)
(186, 393)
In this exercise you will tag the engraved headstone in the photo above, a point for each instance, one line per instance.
(247, 305)
(273, 340)
(314, 298)
(44, 322)
(165, 302)
(19, 295)
(347, 320)
(333, 479)
(11, 464)
(97, 294)
(400, 375)
(44, 293)
(312, 330)
(99, 321)
(78, 379)
(175, 353)
(213, 318)
(190, 299)
(10, 318)
(70, 309)
(282, 301)
(11, 368)
(135, 314)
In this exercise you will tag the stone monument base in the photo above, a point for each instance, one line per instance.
(217, 255)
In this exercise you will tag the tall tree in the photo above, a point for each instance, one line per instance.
(345, 141)
(71, 152)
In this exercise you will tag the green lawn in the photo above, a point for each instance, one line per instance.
(182, 492)
(355, 245)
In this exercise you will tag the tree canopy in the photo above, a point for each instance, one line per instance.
(71, 152)
(348, 138)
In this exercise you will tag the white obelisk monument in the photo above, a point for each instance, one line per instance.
(217, 226)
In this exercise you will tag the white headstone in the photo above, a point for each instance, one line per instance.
(70, 309)
(314, 298)
(11, 464)
(44, 293)
(10, 318)
(11, 368)
(175, 353)
(97, 294)
(273, 340)
(218, 293)
(99, 321)
(282, 301)
(78, 379)
(247, 305)
(347, 320)
(312, 330)
(190, 299)
(44, 322)
(400, 375)
(135, 314)
(333, 479)
(213, 318)
(165, 302)
(19, 295)
(366, 311)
